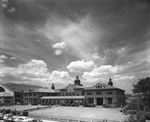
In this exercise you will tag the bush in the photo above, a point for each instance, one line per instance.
(7, 111)
(142, 119)
(13, 112)
(25, 113)
(147, 115)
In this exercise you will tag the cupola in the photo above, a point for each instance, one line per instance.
(110, 82)
(53, 87)
(77, 81)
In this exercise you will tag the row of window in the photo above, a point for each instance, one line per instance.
(99, 92)
(70, 94)
(31, 94)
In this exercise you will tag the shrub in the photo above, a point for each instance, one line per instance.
(13, 112)
(142, 119)
(25, 113)
(132, 119)
(147, 115)
(7, 111)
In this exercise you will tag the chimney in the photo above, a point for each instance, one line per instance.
(53, 87)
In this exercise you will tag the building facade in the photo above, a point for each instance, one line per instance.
(98, 95)
(104, 95)
(33, 96)
(6, 95)
(73, 94)
(70, 95)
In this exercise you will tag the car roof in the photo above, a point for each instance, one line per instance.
(22, 117)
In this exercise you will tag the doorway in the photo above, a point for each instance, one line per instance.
(99, 101)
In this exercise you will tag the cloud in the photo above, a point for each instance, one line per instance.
(102, 71)
(59, 77)
(57, 52)
(60, 45)
(13, 58)
(35, 71)
(3, 58)
(31, 69)
(80, 66)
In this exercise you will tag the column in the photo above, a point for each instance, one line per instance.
(95, 101)
(104, 101)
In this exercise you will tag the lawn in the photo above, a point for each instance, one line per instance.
(86, 112)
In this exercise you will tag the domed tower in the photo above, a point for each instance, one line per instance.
(77, 81)
(53, 87)
(110, 82)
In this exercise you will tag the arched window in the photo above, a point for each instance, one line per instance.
(2, 89)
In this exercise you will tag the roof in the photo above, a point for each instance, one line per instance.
(20, 87)
(102, 86)
(43, 90)
(74, 86)
(63, 97)
(6, 95)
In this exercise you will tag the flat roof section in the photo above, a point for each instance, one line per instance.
(63, 98)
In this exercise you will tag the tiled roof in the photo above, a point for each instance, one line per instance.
(6, 95)
(43, 90)
(62, 97)
(75, 87)
(101, 86)
(20, 87)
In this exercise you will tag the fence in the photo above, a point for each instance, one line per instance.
(64, 118)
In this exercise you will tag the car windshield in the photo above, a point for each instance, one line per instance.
(22, 118)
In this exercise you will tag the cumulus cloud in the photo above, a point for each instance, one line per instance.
(59, 77)
(123, 78)
(33, 68)
(61, 45)
(80, 66)
(57, 52)
(34, 71)
(59, 48)
(3, 58)
(104, 70)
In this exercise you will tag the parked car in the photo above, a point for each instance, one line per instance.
(22, 119)
(35, 120)
(8, 117)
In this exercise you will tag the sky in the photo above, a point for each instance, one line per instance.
(53, 41)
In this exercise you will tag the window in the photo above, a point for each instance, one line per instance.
(91, 100)
(89, 92)
(108, 92)
(98, 92)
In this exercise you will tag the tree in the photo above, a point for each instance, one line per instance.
(143, 87)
